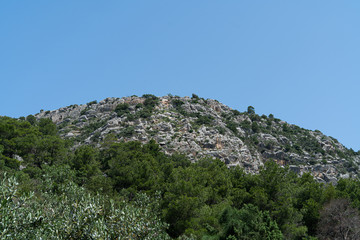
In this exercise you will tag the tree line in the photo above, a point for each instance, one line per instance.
(52, 190)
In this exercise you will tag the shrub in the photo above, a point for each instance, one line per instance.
(127, 132)
(232, 126)
(248, 223)
(122, 108)
(255, 127)
(84, 111)
(221, 130)
(236, 112)
(194, 96)
(204, 120)
(75, 214)
(31, 119)
(246, 125)
(92, 102)
(251, 110)
(150, 100)
(177, 103)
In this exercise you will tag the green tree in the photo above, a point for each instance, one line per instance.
(85, 163)
(279, 185)
(72, 213)
(122, 108)
(47, 127)
(251, 110)
(247, 223)
(31, 119)
(132, 166)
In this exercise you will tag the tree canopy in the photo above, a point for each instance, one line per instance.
(52, 189)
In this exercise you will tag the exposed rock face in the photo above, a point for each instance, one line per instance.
(199, 128)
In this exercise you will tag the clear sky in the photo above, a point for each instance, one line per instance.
(299, 60)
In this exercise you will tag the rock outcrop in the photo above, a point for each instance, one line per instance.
(201, 128)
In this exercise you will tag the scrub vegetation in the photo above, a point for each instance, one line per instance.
(52, 189)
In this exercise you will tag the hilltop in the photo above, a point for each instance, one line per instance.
(198, 128)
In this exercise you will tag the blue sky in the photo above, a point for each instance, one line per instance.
(299, 60)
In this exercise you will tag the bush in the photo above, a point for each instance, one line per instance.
(93, 126)
(10, 162)
(204, 120)
(236, 112)
(150, 100)
(127, 132)
(31, 119)
(75, 214)
(251, 110)
(92, 102)
(248, 223)
(221, 130)
(246, 125)
(232, 126)
(84, 111)
(122, 108)
(177, 103)
(194, 96)
(255, 127)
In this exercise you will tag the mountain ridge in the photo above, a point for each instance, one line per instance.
(199, 127)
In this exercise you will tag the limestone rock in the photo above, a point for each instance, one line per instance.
(201, 128)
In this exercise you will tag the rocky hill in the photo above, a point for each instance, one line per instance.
(200, 127)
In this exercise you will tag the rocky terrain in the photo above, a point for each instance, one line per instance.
(200, 127)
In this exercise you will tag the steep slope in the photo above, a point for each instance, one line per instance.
(198, 128)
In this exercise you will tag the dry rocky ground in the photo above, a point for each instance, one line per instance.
(200, 127)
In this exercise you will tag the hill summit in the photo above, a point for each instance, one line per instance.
(198, 128)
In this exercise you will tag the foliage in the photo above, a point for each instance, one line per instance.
(221, 130)
(91, 127)
(204, 120)
(236, 112)
(251, 110)
(85, 163)
(246, 125)
(150, 101)
(92, 102)
(177, 103)
(31, 119)
(339, 221)
(75, 214)
(122, 108)
(128, 131)
(350, 189)
(36, 144)
(247, 223)
(255, 127)
(194, 96)
(47, 127)
(232, 126)
(131, 166)
(146, 194)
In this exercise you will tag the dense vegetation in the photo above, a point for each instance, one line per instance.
(51, 190)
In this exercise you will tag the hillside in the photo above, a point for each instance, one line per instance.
(100, 173)
(200, 127)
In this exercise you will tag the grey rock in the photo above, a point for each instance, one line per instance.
(178, 133)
